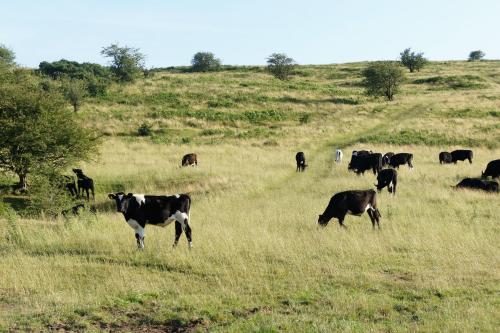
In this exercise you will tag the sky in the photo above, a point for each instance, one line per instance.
(170, 32)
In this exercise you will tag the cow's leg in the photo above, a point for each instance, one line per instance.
(139, 236)
(178, 232)
(470, 160)
(187, 229)
(88, 193)
(372, 218)
(341, 220)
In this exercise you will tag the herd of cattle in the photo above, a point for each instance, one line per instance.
(140, 210)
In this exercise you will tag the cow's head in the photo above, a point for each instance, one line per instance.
(323, 221)
(122, 201)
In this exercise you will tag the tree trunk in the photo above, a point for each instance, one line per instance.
(75, 107)
(22, 182)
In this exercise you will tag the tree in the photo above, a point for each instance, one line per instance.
(127, 63)
(413, 61)
(280, 65)
(205, 62)
(38, 131)
(383, 79)
(74, 91)
(7, 56)
(476, 55)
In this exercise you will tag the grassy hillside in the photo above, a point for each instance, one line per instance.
(260, 263)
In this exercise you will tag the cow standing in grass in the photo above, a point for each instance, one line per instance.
(445, 157)
(338, 156)
(354, 203)
(492, 170)
(189, 159)
(300, 158)
(387, 178)
(401, 159)
(461, 155)
(85, 184)
(364, 162)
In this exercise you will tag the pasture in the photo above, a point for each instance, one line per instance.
(260, 263)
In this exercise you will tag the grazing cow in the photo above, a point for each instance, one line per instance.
(189, 159)
(70, 185)
(75, 210)
(354, 203)
(492, 169)
(445, 158)
(401, 159)
(361, 163)
(300, 158)
(361, 152)
(140, 209)
(84, 184)
(389, 178)
(478, 184)
(461, 155)
(387, 158)
(338, 156)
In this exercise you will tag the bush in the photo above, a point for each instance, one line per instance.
(413, 61)
(280, 65)
(205, 62)
(476, 55)
(144, 130)
(383, 79)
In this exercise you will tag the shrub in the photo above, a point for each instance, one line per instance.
(383, 79)
(280, 65)
(144, 129)
(476, 55)
(413, 61)
(205, 62)
(127, 63)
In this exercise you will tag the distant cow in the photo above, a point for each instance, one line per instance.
(189, 159)
(354, 203)
(445, 157)
(478, 184)
(461, 155)
(84, 183)
(401, 159)
(338, 156)
(70, 185)
(360, 152)
(389, 178)
(75, 210)
(362, 163)
(140, 209)
(387, 158)
(300, 158)
(492, 169)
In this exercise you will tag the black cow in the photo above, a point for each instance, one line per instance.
(159, 210)
(189, 159)
(75, 210)
(84, 183)
(445, 157)
(70, 185)
(478, 184)
(401, 159)
(461, 155)
(361, 163)
(387, 158)
(354, 203)
(300, 158)
(389, 178)
(492, 169)
(361, 152)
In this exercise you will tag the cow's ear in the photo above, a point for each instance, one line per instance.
(112, 196)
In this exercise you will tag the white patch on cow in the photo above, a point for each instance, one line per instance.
(369, 206)
(138, 230)
(120, 197)
(140, 198)
(181, 217)
(177, 196)
(133, 224)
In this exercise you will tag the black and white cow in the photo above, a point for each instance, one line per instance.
(353, 203)
(492, 169)
(401, 159)
(338, 156)
(445, 157)
(362, 163)
(387, 158)
(189, 159)
(361, 152)
(159, 210)
(300, 158)
(389, 178)
(461, 155)
(478, 184)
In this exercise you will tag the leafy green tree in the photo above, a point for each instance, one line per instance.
(413, 61)
(205, 62)
(476, 55)
(74, 91)
(280, 65)
(383, 78)
(7, 56)
(38, 131)
(127, 63)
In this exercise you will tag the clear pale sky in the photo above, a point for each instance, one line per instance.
(245, 32)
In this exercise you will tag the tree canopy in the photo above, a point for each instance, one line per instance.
(412, 60)
(205, 62)
(127, 63)
(476, 55)
(383, 78)
(280, 65)
(7, 56)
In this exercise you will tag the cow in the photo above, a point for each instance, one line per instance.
(159, 210)
(401, 159)
(389, 178)
(492, 169)
(75, 210)
(70, 185)
(338, 156)
(461, 155)
(360, 152)
(361, 163)
(300, 158)
(387, 158)
(354, 203)
(478, 184)
(84, 184)
(189, 159)
(445, 157)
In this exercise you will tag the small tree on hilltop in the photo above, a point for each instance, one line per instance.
(205, 62)
(413, 61)
(476, 55)
(280, 65)
(126, 62)
(7, 56)
(74, 91)
(383, 79)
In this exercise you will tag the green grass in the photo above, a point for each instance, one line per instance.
(260, 263)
